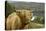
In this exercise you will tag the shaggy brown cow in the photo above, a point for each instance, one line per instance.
(18, 20)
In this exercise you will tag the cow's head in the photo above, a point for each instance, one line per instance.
(25, 15)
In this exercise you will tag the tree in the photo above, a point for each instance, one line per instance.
(9, 9)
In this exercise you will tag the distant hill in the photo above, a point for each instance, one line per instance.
(37, 8)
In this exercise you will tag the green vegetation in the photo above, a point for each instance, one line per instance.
(9, 9)
(39, 19)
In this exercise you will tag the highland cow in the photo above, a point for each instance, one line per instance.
(18, 20)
